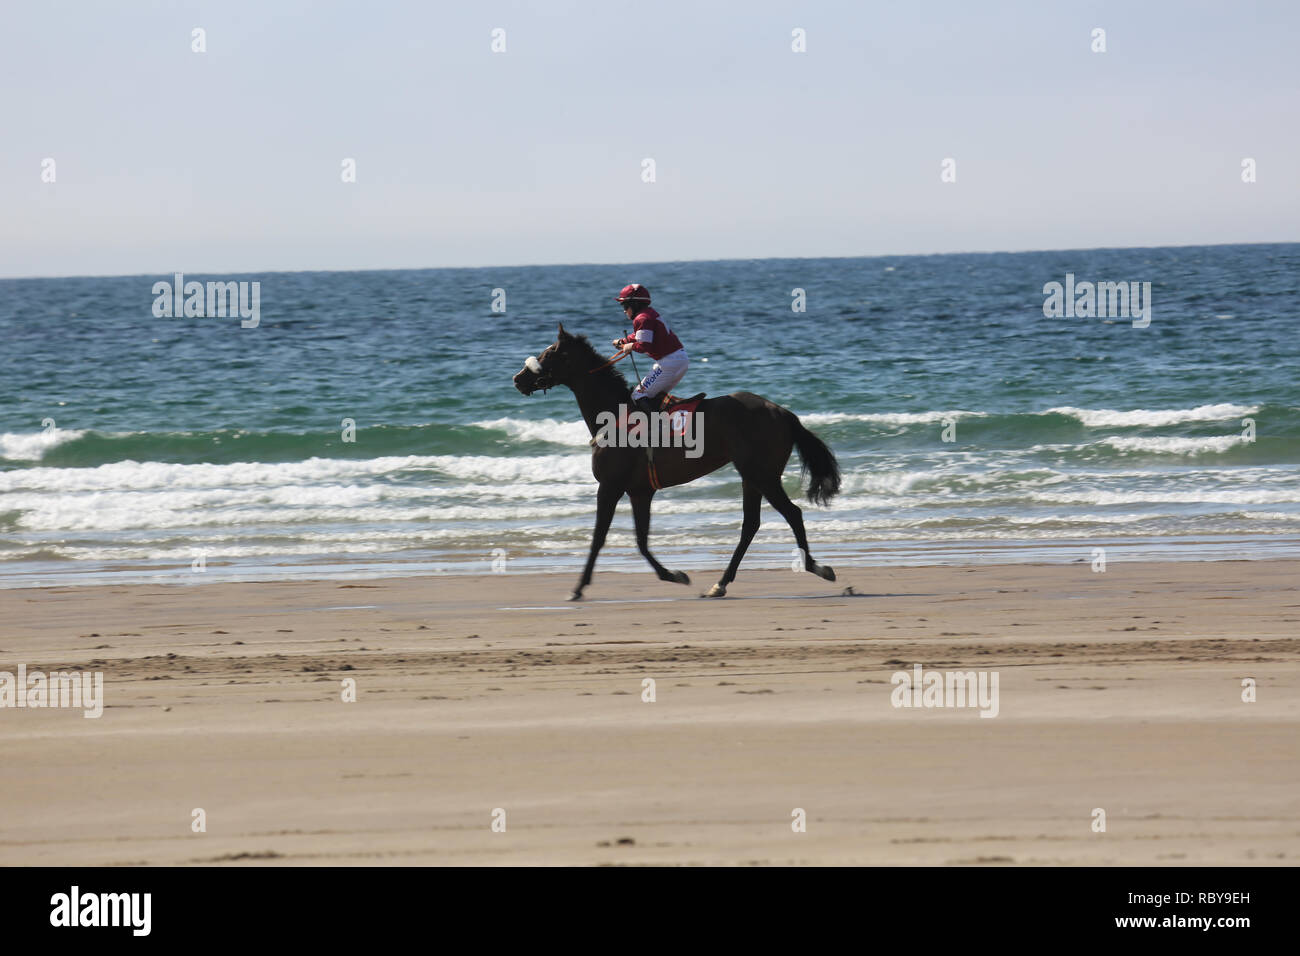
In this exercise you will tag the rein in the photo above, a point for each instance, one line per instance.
(615, 358)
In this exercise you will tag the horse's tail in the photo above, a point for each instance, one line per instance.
(819, 460)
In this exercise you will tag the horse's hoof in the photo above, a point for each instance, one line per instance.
(824, 572)
(680, 577)
(575, 596)
(717, 590)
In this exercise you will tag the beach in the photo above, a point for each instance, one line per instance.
(489, 699)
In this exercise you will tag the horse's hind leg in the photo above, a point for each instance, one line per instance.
(791, 512)
(641, 515)
(748, 528)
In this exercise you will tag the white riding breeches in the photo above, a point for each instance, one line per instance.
(667, 372)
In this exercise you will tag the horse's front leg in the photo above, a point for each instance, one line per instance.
(641, 515)
(607, 498)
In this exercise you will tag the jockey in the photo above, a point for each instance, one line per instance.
(651, 335)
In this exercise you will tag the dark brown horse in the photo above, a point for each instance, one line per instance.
(742, 428)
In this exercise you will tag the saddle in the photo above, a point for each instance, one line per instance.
(669, 402)
(677, 408)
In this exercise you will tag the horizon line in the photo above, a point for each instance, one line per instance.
(657, 262)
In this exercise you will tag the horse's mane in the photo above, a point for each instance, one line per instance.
(610, 376)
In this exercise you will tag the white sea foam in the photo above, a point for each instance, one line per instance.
(1175, 446)
(532, 468)
(1292, 517)
(1110, 418)
(135, 512)
(572, 432)
(142, 475)
(32, 446)
(945, 481)
(1193, 496)
(1091, 417)
(152, 474)
(130, 510)
(886, 418)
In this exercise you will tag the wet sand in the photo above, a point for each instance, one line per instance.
(1119, 690)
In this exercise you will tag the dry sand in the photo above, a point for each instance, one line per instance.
(1119, 690)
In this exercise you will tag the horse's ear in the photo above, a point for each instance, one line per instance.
(563, 334)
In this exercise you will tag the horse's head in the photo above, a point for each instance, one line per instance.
(556, 366)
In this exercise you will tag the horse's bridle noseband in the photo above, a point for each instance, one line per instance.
(543, 380)
(533, 365)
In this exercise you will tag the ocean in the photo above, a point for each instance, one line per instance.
(969, 425)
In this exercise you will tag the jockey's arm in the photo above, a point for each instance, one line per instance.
(638, 340)
(641, 336)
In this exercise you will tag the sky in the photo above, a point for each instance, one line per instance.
(231, 160)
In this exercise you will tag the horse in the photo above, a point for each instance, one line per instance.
(754, 434)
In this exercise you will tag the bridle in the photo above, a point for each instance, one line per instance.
(612, 359)
(541, 372)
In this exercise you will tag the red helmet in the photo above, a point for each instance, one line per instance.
(635, 292)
